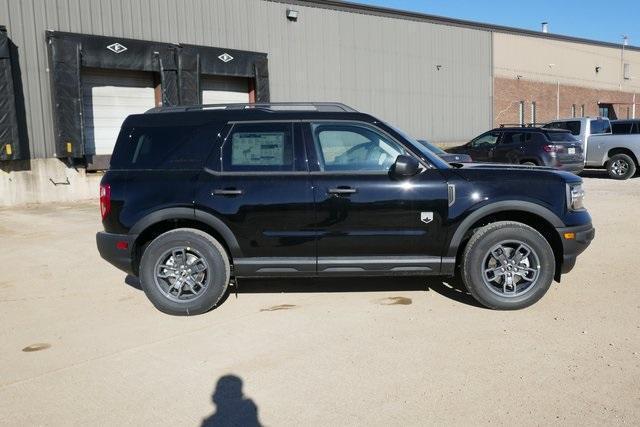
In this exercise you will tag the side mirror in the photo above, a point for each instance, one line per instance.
(405, 166)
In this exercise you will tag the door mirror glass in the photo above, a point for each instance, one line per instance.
(405, 166)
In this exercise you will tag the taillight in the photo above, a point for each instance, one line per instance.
(551, 148)
(105, 200)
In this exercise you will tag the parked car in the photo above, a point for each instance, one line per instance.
(629, 126)
(447, 157)
(582, 127)
(618, 153)
(526, 146)
(199, 197)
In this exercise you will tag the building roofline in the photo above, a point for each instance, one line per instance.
(345, 6)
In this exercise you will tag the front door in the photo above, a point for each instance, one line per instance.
(481, 148)
(258, 183)
(367, 220)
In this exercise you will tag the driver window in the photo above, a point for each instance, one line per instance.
(350, 147)
(487, 140)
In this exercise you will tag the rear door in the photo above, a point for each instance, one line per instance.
(368, 221)
(257, 182)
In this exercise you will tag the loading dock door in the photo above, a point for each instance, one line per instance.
(108, 97)
(224, 89)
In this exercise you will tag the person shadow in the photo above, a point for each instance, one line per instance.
(233, 408)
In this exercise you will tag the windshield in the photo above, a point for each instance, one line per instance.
(431, 147)
(428, 154)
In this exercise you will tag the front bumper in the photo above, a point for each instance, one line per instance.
(572, 247)
(120, 257)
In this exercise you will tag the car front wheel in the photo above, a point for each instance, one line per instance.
(184, 271)
(507, 265)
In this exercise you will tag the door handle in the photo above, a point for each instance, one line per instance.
(227, 192)
(341, 190)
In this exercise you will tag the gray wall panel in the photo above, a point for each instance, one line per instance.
(381, 65)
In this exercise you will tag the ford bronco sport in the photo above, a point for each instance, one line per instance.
(198, 196)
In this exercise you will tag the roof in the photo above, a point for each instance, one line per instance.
(435, 19)
(180, 116)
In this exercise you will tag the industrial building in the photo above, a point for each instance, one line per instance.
(72, 70)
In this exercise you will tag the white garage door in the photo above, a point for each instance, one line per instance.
(108, 97)
(224, 90)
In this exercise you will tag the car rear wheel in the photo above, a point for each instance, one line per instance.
(621, 166)
(507, 265)
(184, 271)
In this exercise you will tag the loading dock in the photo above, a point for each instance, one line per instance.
(108, 97)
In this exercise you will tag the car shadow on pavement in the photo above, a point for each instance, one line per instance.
(451, 288)
(233, 408)
(597, 173)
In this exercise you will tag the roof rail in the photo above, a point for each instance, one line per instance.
(521, 125)
(268, 106)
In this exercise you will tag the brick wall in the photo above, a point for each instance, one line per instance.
(509, 92)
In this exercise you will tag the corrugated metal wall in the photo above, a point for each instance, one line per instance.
(377, 64)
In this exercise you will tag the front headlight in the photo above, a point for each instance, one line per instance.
(575, 197)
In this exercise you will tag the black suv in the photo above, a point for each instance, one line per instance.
(199, 196)
(528, 146)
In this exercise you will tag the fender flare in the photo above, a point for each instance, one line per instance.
(193, 214)
(506, 205)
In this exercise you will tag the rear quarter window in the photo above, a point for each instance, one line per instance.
(600, 126)
(157, 147)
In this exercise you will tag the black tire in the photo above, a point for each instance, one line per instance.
(197, 245)
(478, 250)
(621, 166)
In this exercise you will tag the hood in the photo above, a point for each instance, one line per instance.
(511, 172)
(503, 166)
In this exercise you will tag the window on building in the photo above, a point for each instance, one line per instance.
(582, 110)
(573, 110)
(533, 113)
(261, 147)
(606, 110)
(626, 72)
(521, 113)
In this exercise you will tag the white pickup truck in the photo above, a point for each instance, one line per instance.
(618, 153)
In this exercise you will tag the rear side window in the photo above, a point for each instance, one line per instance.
(600, 126)
(174, 147)
(561, 137)
(259, 147)
(516, 137)
(621, 128)
(572, 126)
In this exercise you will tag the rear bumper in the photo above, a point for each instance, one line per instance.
(571, 248)
(119, 257)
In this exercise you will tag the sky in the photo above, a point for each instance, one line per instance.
(591, 19)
